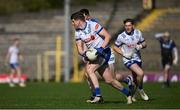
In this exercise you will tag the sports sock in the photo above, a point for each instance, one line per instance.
(125, 91)
(141, 85)
(97, 92)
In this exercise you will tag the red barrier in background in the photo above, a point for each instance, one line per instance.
(4, 78)
(148, 77)
(156, 76)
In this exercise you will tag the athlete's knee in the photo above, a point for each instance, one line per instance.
(115, 83)
(140, 73)
(90, 71)
(109, 81)
(119, 77)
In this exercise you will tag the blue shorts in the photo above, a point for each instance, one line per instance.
(106, 55)
(131, 62)
(14, 65)
(103, 58)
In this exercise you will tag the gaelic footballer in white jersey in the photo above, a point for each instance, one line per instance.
(87, 16)
(93, 35)
(89, 35)
(91, 38)
(128, 45)
(12, 58)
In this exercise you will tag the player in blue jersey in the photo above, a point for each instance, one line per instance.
(89, 33)
(128, 44)
(169, 54)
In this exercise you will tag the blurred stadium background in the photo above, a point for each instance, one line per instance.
(40, 24)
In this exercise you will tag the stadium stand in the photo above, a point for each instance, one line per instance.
(168, 21)
(38, 31)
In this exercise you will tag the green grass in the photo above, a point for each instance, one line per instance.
(73, 95)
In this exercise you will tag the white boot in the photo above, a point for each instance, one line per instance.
(143, 95)
(22, 84)
(11, 85)
(129, 100)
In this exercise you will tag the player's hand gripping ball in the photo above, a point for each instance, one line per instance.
(91, 54)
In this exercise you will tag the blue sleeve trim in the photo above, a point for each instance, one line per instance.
(142, 41)
(78, 39)
(117, 45)
(100, 30)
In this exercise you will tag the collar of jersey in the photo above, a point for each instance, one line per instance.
(84, 27)
(131, 33)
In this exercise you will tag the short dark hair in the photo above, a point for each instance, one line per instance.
(129, 20)
(78, 16)
(85, 11)
(16, 39)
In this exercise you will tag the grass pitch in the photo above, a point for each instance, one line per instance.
(74, 95)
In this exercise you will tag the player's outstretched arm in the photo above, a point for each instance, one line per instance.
(125, 55)
(106, 36)
(118, 50)
(175, 57)
(159, 35)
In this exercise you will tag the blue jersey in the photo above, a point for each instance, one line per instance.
(167, 48)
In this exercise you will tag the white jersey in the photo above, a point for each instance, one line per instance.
(128, 44)
(90, 34)
(13, 51)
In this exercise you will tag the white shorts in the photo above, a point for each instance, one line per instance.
(112, 58)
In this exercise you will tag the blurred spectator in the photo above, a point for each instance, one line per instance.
(12, 59)
(169, 54)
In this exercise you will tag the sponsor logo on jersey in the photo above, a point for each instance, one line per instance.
(92, 37)
(131, 45)
(97, 26)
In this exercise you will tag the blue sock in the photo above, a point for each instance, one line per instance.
(97, 92)
(125, 91)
